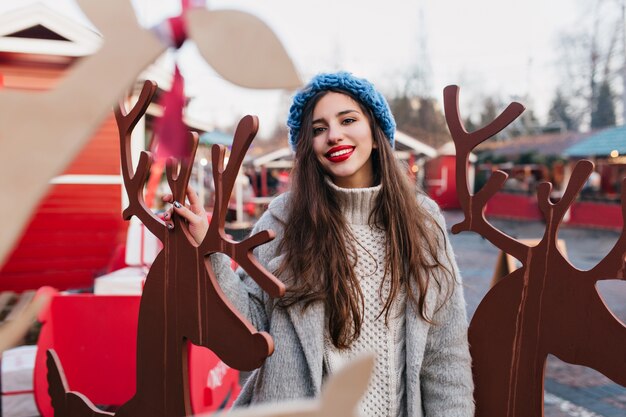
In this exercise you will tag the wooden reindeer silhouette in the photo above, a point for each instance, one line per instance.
(547, 306)
(181, 301)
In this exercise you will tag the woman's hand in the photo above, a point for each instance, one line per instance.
(194, 214)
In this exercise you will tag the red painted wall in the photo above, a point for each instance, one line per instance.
(514, 206)
(593, 214)
(76, 227)
(101, 155)
(582, 213)
(441, 181)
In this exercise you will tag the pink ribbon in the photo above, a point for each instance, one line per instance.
(170, 130)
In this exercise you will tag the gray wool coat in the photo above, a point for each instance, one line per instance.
(438, 366)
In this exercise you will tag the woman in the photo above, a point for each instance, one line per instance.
(367, 266)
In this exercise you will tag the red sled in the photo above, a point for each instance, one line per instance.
(95, 336)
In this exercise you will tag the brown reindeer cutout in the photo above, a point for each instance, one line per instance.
(234, 43)
(547, 306)
(181, 301)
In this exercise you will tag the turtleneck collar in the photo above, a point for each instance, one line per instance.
(356, 203)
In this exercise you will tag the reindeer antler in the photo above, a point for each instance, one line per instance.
(178, 180)
(224, 180)
(613, 265)
(134, 182)
(554, 213)
(474, 205)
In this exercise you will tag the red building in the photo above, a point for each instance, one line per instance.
(77, 225)
(441, 177)
(521, 159)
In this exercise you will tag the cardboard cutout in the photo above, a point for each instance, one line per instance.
(250, 42)
(47, 129)
(339, 398)
(547, 306)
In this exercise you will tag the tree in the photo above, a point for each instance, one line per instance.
(491, 108)
(469, 124)
(524, 125)
(588, 64)
(490, 111)
(603, 112)
(561, 112)
(420, 117)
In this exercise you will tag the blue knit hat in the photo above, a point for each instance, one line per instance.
(362, 89)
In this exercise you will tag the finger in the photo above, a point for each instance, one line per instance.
(185, 213)
(192, 196)
(167, 217)
(168, 198)
(197, 206)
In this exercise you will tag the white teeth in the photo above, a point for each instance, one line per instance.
(339, 153)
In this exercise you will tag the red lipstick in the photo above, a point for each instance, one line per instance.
(339, 153)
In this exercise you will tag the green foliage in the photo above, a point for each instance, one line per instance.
(490, 111)
(550, 160)
(525, 124)
(487, 157)
(480, 179)
(421, 118)
(531, 157)
(469, 124)
(603, 112)
(561, 112)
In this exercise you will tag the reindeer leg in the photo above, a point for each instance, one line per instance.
(500, 344)
(65, 402)
(492, 338)
(160, 380)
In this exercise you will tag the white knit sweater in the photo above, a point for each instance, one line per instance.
(438, 378)
(385, 394)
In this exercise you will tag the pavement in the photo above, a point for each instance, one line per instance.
(571, 390)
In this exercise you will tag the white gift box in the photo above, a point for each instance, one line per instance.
(17, 382)
(125, 281)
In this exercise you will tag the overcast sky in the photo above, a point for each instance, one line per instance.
(489, 47)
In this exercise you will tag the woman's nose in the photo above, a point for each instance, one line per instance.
(334, 133)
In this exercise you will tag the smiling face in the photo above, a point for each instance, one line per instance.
(343, 141)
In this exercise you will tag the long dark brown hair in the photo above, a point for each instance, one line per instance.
(320, 257)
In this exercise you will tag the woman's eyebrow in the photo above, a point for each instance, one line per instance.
(341, 113)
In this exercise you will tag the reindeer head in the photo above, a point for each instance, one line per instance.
(235, 347)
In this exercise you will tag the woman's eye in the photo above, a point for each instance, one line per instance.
(348, 121)
(318, 130)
